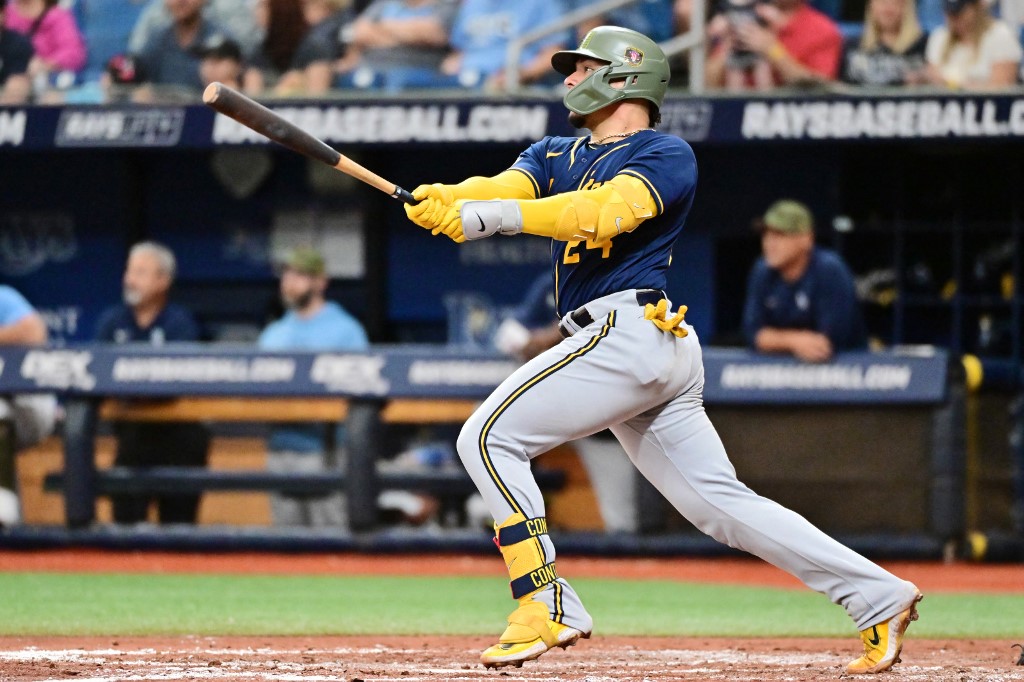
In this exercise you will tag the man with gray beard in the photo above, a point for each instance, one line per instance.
(146, 316)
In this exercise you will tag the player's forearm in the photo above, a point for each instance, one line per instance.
(510, 184)
(775, 340)
(598, 214)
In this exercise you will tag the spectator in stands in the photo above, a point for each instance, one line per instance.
(800, 297)
(146, 316)
(530, 330)
(236, 17)
(973, 50)
(59, 46)
(310, 323)
(171, 56)
(220, 60)
(284, 26)
(398, 44)
(312, 69)
(25, 419)
(15, 55)
(481, 35)
(891, 49)
(801, 46)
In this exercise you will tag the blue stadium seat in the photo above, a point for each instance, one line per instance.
(106, 25)
(851, 30)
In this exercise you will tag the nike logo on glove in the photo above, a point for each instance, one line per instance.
(482, 228)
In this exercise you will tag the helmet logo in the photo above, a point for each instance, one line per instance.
(634, 57)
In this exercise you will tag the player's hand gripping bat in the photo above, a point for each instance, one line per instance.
(254, 115)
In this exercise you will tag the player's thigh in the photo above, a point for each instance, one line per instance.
(582, 385)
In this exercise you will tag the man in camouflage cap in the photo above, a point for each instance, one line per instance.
(800, 297)
(310, 322)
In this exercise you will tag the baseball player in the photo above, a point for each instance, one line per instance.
(613, 203)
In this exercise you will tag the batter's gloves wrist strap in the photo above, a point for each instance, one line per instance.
(484, 218)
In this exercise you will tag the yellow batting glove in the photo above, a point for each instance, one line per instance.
(450, 223)
(657, 315)
(434, 203)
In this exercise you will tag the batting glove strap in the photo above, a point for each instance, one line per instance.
(484, 218)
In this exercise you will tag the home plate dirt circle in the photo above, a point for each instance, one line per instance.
(411, 658)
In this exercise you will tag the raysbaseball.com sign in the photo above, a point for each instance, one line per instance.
(883, 119)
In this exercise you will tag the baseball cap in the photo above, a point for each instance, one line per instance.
(219, 46)
(306, 260)
(787, 216)
(124, 69)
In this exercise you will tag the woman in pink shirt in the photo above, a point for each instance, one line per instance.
(54, 34)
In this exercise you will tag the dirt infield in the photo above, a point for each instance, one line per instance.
(407, 659)
(410, 658)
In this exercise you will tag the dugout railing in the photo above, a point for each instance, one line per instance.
(920, 411)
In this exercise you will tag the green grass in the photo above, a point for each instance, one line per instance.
(144, 604)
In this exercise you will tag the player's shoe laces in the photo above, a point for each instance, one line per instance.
(529, 634)
(884, 641)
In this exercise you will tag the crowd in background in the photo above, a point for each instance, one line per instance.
(96, 51)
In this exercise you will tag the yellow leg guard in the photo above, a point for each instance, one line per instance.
(518, 539)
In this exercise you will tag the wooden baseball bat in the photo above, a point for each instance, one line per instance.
(251, 114)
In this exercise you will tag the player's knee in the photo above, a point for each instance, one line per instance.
(468, 442)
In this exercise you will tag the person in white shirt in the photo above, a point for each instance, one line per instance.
(973, 50)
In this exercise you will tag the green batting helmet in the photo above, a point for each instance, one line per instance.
(631, 56)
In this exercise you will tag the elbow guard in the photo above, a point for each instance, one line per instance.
(597, 215)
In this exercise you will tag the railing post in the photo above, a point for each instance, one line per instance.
(364, 445)
(80, 462)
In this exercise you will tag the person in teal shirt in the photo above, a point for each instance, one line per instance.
(310, 323)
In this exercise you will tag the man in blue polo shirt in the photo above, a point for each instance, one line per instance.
(171, 56)
(310, 323)
(146, 316)
(800, 297)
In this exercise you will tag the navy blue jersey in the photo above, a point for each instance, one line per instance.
(822, 300)
(174, 323)
(635, 260)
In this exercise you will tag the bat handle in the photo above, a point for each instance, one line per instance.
(404, 196)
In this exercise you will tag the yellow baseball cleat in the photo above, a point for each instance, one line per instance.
(884, 641)
(529, 634)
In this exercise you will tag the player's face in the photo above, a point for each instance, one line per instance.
(781, 249)
(298, 289)
(144, 279)
(585, 67)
